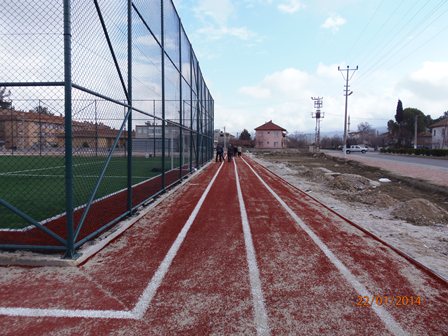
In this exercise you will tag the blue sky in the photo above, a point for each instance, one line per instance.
(265, 59)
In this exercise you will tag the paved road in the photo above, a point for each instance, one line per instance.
(431, 170)
(235, 251)
(442, 163)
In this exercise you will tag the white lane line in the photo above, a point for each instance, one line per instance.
(393, 326)
(85, 313)
(151, 289)
(145, 298)
(260, 316)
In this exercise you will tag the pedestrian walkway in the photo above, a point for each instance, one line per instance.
(236, 250)
(432, 174)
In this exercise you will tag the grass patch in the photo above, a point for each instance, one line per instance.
(36, 184)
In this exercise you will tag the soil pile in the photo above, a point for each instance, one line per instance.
(350, 182)
(420, 211)
(315, 175)
(372, 197)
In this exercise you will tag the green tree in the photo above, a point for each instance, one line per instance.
(399, 119)
(392, 127)
(399, 115)
(245, 135)
(408, 124)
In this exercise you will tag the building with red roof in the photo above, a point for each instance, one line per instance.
(270, 136)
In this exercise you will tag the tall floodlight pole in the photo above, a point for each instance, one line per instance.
(347, 78)
(318, 114)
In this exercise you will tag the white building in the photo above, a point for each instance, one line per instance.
(439, 132)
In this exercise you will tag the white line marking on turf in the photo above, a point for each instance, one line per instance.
(46, 168)
(147, 295)
(261, 317)
(388, 320)
(76, 176)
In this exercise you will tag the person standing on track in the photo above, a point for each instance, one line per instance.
(239, 151)
(229, 152)
(219, 153)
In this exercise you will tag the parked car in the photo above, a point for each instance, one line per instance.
(356, 148)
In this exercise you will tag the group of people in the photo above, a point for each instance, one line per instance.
(231, 151)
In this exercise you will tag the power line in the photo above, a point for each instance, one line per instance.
(384, 43)
(401, 46)
(386, 55)
(422, 45)
(361, 34)
(383, 26)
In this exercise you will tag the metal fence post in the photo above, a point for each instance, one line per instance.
(58, 111)
(181, 106)
(129, 142)
(96, 129)
(70, 251)
(162, 34)
(191, 108)
(198, 112)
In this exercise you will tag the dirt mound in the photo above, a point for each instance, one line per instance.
(420, 211)
(372, 197)
(350, 182)
(313, 175)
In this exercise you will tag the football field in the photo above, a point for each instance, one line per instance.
(36, 184)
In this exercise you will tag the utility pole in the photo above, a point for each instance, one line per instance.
(415, 132)
(317, 115)
(347, 78)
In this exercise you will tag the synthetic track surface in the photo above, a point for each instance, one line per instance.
(236, 250)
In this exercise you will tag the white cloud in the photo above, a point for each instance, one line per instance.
(281, 84)
(290, 6)
(334, 23)
(435, 73)
(216, 33)
(330, 71)
(255, 91)
(254, 3)
(285, 97)
(426, 88)
(219, 11)
(215, 17)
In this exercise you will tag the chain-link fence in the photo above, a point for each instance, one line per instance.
(102, 107)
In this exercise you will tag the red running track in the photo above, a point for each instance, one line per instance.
(236, 250)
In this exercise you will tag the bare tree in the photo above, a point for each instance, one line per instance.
(5, 103)
(366, 133)
(331, 143)
(297, 140)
